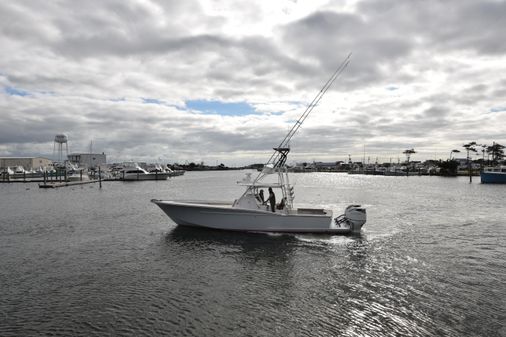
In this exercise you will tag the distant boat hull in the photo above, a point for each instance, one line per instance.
(78, 177)
(225, 217)
(146, 176)
(493, 177)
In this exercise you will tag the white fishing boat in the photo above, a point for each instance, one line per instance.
(157, 168)
(18, 172)
(175, 173)
(6, 173)
(78, 174)
(251, 213)
(135, 172)
(73, 172)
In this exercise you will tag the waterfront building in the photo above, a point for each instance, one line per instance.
(326, 166)
(28, 163)
(463, 164)
(89, 160)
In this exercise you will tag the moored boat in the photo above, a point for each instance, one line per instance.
(78, 174)
(493, 175)
(136, 172)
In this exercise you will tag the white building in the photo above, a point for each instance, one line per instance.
(89, 160)
(28, 163)
(463, 164)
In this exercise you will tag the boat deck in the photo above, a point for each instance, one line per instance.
(229, 205)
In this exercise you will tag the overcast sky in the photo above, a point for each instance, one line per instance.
(223, 81)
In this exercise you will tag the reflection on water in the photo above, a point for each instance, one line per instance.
(243, 247)
(197, 236)
(429, 262)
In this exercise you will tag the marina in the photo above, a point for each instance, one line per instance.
(180, 168)
(74, 176)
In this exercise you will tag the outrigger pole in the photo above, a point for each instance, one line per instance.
(278, 158)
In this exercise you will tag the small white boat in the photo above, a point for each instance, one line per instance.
(251, 213)
(6, 173)
(77, 175)
(18, 172)
(138, 173)
(155, 168)
(175, 173)
(74, 173)
(152, 168)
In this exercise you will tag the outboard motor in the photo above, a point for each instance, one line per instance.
(357, 217)
(354, 216)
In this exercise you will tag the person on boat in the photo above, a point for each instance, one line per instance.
(281, 205)
(260, 196)
(272, 199)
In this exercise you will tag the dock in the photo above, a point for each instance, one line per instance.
(68, 183)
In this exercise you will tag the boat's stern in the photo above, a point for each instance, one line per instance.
(354, 216)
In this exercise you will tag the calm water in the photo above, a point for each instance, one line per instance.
(88, 261)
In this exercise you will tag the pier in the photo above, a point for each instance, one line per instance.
(68, 183)
(56, 179)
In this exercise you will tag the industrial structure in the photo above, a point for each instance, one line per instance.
(28, 163)
(89, 160)
(59, 140)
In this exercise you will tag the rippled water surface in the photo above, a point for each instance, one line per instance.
(86, 261)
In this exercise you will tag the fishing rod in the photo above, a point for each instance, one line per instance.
(315, 102)
(274, 159)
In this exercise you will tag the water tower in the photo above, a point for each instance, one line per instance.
(60, 140)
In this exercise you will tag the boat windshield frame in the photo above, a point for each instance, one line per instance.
(278, 163)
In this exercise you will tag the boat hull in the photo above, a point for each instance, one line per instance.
(146, 176)
(493, 177)
(226, 217)
(78, 177)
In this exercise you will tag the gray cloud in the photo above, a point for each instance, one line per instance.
(423, 73)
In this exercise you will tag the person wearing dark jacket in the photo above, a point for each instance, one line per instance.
(272, 199)
(261, 196)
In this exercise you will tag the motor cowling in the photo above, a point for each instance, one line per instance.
(356, 215)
